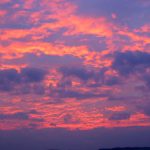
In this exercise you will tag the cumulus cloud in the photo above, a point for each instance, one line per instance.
(32, 74)
(9, 78)
(78, 72)
(98, 76)
(130, 62)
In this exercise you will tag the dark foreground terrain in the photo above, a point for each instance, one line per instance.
(124, 148)
(127, 148)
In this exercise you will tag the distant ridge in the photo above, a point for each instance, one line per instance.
(126, 148)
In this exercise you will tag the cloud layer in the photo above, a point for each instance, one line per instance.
(74, 64)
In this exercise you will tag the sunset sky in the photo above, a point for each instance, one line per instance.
(74, 74)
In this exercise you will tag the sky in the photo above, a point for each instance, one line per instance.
(74, 74)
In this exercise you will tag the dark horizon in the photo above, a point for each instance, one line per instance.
(63, 139)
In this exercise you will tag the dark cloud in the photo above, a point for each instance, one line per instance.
(10, 78)
(69, 119)
(21, 116)
(39, 89)
(18, 115)
(147, 110)
(79, 72)
(33, 111)
(38, 119)
(90, 79)
(32, 74)
(135, 63)
(66, 93)
(44, 61)
(130, 62)
(144, 108)
(120, 116)
(146, 78)
(112, 80)
(98, 76)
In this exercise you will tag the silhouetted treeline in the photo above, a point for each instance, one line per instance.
(127, 148)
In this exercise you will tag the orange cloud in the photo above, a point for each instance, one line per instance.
(116, 108)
